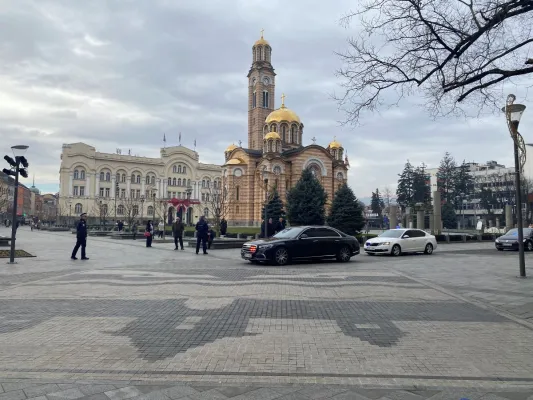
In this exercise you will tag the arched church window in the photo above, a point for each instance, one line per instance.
(237, 192)
(254, 100)
(174, 169)
(188, 182)
(169, 181)
(265, 99)
(153, 180)
(108, 176)
(277, 170)
(138, 179)
(174, 182)
(147, 180)
(82, 174)
(284, 133)
(179, 181)
(340, 176)
(179, 169)
(184, 170)
(123, 178)
(76, 174)
(102, 175)
(293, 134)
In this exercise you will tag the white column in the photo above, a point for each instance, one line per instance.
(143, 187)
(158, 187)
(88, 185)
(70, 183)
(113, 185)
(128, 186)
(97, 185)
(165, 187)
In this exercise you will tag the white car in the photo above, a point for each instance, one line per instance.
(398, 241)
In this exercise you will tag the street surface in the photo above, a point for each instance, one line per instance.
(134, 322)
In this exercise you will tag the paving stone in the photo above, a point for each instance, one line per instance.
(154, 395)
(212, 394)
(39, 398)
(349, 395)
(69, 394)
(35, 391)
(94, 389)
(232, 391)
(178, 392)
(320, 392)
(96, 396)
(259, 394)
(13, 395)
(403, 395)
(123, 393)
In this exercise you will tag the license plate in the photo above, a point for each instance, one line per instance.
(247, 255)
(508, 244)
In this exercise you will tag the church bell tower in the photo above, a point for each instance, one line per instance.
(261, 92)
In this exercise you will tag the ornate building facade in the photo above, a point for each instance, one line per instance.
(275, 156)
(176, 184)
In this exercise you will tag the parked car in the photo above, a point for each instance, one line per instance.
(398, 241)
(509, 241)
(303, 242)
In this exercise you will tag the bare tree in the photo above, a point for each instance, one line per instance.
(130, 209)
(449, 50)
(4, 197)
(219, 200)
(386, 195)
(102, 209)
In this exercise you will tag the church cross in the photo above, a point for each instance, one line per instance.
(314, 140)
(282, 99)
(240, 142)
(262, 31)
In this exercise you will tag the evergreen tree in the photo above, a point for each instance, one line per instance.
(404, 193)
(376, 204)
(464, 181)
(449, 218)
(421, 186)
(306, 201)
(447, 178)
(274, 207)
(346, 212)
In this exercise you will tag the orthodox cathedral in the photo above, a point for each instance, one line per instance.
(275, 156)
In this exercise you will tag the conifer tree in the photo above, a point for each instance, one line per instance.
(306, 201)
(346, 213)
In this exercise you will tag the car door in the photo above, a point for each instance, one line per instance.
(409, 239)
(419, 240)
(303, 247)
(326, 242)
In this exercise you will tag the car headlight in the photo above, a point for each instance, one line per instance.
(497, 240)
(265, 246)
(385, 243)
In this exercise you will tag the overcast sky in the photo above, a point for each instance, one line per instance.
(122, 73)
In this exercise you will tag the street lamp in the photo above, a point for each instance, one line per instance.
(461, 198)
(142, 207)
(69, 202)
(189, 214)
(16, 170)
(513, 113)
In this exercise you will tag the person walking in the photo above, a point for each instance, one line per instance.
(149, 233)
(201, 234)
(161, 228)
(120, 226)
(134, 229)
(280, 225)
(81, 238)
(177, 232)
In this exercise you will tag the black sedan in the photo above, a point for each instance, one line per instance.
(302, 242)
(509, 241)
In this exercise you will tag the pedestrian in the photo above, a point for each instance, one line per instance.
(120, 226)
(149, 233)
(134, 229)
(177, 232)
(201, 234)
(32, 224)
(223, 227)
(161, 228)
(81, 238)
(280, 225)
(211, 234)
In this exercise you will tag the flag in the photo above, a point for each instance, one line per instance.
(180, 137)
(194, 142)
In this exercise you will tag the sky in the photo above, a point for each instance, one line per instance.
(121, 74)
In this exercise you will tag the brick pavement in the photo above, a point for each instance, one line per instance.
(215, 325)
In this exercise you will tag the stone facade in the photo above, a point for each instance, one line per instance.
(275, 156)
(89, 180)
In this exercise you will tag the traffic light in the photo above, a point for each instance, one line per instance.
(23, 173)
(10, 161)
(8, 171)
(23, 161)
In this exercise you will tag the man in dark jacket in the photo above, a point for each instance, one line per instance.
(223, 227)
(280, 225)
(177, 232)
(81, 238)
(211, 234)
(201, 234)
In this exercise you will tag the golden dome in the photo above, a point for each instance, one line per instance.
(231, 147)
(335, 144)
(262, 41)
(235, 161)
(282, 114)
(272, 135)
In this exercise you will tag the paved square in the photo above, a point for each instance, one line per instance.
(132, 313)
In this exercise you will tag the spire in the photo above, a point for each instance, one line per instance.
(283, 100)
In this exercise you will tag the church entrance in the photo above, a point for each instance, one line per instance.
(189, 216)
(179, 214)
(170, 215)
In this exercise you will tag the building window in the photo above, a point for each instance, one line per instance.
(101, 192)
(102, 176)
(284, 133)
(150, 211)
(123, 178)
(138, 179)
(206, 212)
(120, 209)
(265, 99)
(76, 174)
(293, 135)
(82, 174)
(179, 182)
(203, 184)
(207, 197)
(147, 180)
(138, 194)
(135, 210)
(78, 208)
(108, 176)
(188, 182)
(153, 180)
(107, 192)
(104, 209)
(174, 169)
(203, 196)
(179, 169)
(123, 193)
(174, 182)
(169, 195)
(184, 170)
(254, 100)
(237, 193)
(75, 192)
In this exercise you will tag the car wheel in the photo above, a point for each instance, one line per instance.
(281, 256)
(396, 250)
(428, 249)
(344, 254)
(529, 245)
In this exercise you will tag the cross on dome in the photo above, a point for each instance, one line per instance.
(283, 99)
(262, 32)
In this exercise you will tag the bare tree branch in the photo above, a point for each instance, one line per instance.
(450, 51)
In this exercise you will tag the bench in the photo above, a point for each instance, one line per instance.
(5, 241)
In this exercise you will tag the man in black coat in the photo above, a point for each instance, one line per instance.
(201, 234)
(81, 238)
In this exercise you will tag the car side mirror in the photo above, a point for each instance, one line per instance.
(304, 236)
(405, 237)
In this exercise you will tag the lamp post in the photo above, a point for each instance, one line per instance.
(513, 113)
(16, 170)
(142, 207)
(69, 202)
(189, 192)
(265, 181)
(461, 198)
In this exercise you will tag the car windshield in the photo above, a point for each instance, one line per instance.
(288, 233)
(514, 232)
(392, 233)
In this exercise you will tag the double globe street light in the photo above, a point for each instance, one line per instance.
(16, 170)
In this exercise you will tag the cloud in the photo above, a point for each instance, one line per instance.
(122, 74)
